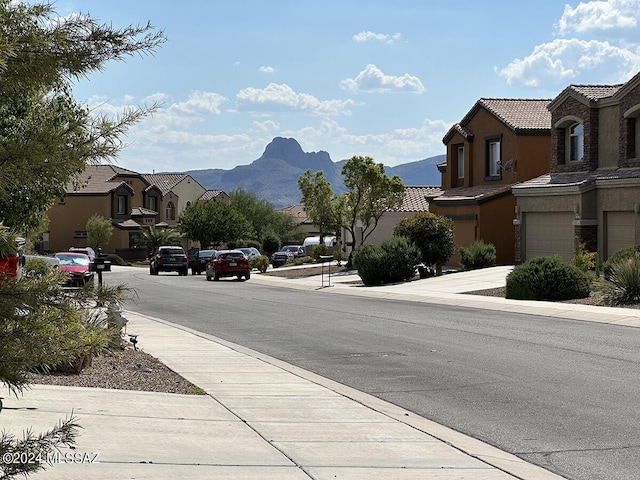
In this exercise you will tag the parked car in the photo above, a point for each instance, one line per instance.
(201, 261)
(286, 253)
(86, 250)
(169, 258)
(250, 252)
(229, 263)
(77, 265)
(11, 264)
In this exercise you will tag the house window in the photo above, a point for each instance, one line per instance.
(576, 142)
(493, 152)
(460, 162)
(171, 211)
(121, 207)
(153, 203)
(61, 201)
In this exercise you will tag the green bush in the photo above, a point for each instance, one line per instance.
(301, 260)
(478, 255)
(547, 278)
(270, 244)
(394, 260)
(618, 256)
(261, 263)
(36, 268)
(117, 260)
(318, 251)
(337, 255)
(622, 284)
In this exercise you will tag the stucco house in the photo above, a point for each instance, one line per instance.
(497, 144)
(131, 201)
(593, 188)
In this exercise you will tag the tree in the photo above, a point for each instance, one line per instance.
(99, 231)
(259, 212)
(320, 203)
(46, 137)
(213, 223)
(370, 193)
(151, 238)
(432, 234)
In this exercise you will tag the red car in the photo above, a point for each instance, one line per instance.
(77, 266)
(229, 263)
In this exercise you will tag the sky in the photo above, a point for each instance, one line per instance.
(378, 78)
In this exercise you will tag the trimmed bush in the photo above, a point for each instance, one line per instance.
(36, 268)
(478, 255)
(547, 278)
(394, 260)
(318, 251)
(261, 263)
(619, 256)
(117, 260)
(622, 285)
(337, 256)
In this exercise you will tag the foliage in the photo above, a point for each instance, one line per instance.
(622, 284)
(320, 203)
(301, 260)
(270, 243)
(432, 234)
(8, 241)
(547, 278)
(261, 263)
(477, 255)
(394, 260)
(617, 257)
(153, 237)
(582, 258)
(370, 193)
(99, 231)
(259, 213)
(47, 137)
(213, 223)
(287, 228)
(337, 255)
(36, 267)
(117, 260)
(319, 250)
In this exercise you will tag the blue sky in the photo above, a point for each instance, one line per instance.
(350, 77)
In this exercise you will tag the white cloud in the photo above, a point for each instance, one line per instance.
(373, 80)
(599, 15)
(267, 69)
(266, 126)
(199, 103)
(559, 62)
(380, 37)
(281, 98)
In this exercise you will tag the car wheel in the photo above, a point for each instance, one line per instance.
(153, 270)
(208, 278)
(195, 271)
(247, 276)
(184, 272)
(216, 277)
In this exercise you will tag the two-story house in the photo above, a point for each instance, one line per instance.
(592, 191)
(498, 143)
(132, 201)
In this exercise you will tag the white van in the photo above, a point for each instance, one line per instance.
(329, 241)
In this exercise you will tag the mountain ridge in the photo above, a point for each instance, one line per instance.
(274, 175)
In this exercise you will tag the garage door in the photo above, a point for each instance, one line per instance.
(549, 233)
(621, 231)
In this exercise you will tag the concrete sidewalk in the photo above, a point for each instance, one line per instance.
(261, 419)
(265, 419)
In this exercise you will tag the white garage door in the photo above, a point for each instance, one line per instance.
(549, 233)
(621, 231)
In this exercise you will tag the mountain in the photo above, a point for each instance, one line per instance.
(274, 176)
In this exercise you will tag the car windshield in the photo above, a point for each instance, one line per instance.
(289, 249)
(206, 253)
(231, 255)
(70, 259)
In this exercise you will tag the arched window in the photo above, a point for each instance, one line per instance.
(171, 211)
(576, 142)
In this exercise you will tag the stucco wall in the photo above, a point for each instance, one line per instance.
(65, 219)
(496, 226)
(608, 133)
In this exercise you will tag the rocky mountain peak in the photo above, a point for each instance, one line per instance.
(289, 150)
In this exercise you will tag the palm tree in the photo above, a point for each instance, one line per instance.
(153, 237)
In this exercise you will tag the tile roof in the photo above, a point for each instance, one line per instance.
(164, 181)
(415, 199)
(99, 179)
(520, 115)
(140, 211)
(477, 193)
(298, 212)
(595, 92)
(551, 180)
(210, 195)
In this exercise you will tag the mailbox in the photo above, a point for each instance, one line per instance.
(100, 264)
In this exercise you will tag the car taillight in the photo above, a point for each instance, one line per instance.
(184, 257)
(158, 256)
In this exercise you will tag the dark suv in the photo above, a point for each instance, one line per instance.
(169, 258)
(286, 253)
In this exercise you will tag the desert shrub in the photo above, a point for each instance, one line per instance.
(618, 256)
(478, 255)
(117, 260)
(301, 260)
(394, 260)
(36, 267)
(547, 278)
(319, 250)
(261, 263)
(622, 284)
